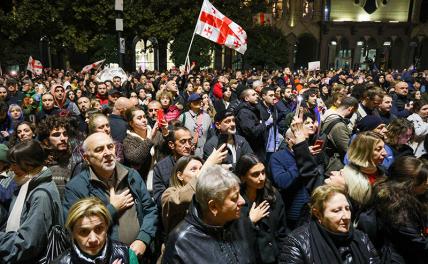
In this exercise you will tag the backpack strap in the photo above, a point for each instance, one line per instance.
(55, 213)
(332, 124)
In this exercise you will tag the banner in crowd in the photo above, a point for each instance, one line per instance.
(314, 66)
(215, 26)
(34, 66)
(94, 65)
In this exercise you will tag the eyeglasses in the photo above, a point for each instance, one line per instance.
(152, 110)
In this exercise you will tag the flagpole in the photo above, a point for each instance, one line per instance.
(193, 36)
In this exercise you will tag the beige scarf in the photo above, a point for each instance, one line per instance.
(14, 220)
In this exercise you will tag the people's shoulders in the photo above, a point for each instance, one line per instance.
(280, 155)
(415, 117)
(79, 181)
(166, 161)
(38, 194)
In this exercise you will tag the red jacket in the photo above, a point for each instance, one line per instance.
(218, 90)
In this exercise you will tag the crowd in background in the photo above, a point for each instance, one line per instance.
(214, 166)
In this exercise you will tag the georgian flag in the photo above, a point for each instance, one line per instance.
(94, 65)
(216, 27)
(263, 19)
(34, 66)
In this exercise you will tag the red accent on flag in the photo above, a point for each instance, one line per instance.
(218, 28)
(34, 66)
(94, 65)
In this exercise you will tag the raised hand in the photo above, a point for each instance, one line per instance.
(217, 156)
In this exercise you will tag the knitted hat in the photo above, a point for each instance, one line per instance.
(219, 116)
(3, 153)
(135, 150)
(369, 122)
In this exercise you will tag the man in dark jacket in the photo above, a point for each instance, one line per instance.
(237, 146)
(250, 124)
(384, 109)
(117, 121)
(286, 105)
(401, 106)
(14, 96)
(267, 110)
(180, 144)
(48, 107)
(214, 230)
(134, 215)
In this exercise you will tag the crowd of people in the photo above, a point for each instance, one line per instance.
(216, 166)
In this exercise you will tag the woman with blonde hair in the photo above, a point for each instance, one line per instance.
(329, 237)
(365, 154)
(88, 222)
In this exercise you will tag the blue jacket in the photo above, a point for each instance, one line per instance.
(82, 186)
(291, 172)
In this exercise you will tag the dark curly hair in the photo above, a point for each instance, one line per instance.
(45, 127)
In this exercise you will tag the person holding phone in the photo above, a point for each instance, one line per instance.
(237, 145)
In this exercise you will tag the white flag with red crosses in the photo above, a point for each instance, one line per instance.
(216, 27)
(94, 65)
(34, 66)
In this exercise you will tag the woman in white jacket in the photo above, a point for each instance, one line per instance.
(420, 122)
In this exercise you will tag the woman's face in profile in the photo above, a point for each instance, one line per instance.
(337, 214)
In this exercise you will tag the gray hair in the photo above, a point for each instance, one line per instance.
(257, 83)
(214, 183)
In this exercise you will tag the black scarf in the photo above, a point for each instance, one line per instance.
(327, 247)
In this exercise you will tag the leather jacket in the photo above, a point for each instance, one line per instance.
(297, 248)
(193, 241)
(112, 251)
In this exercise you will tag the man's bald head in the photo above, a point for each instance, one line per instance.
(100, 153)
(121, 104)
(91, 139)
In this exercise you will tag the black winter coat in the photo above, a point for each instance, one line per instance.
(252, 128)
(270, 231)
(115, 250)
(297, 247)
(193, 241)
